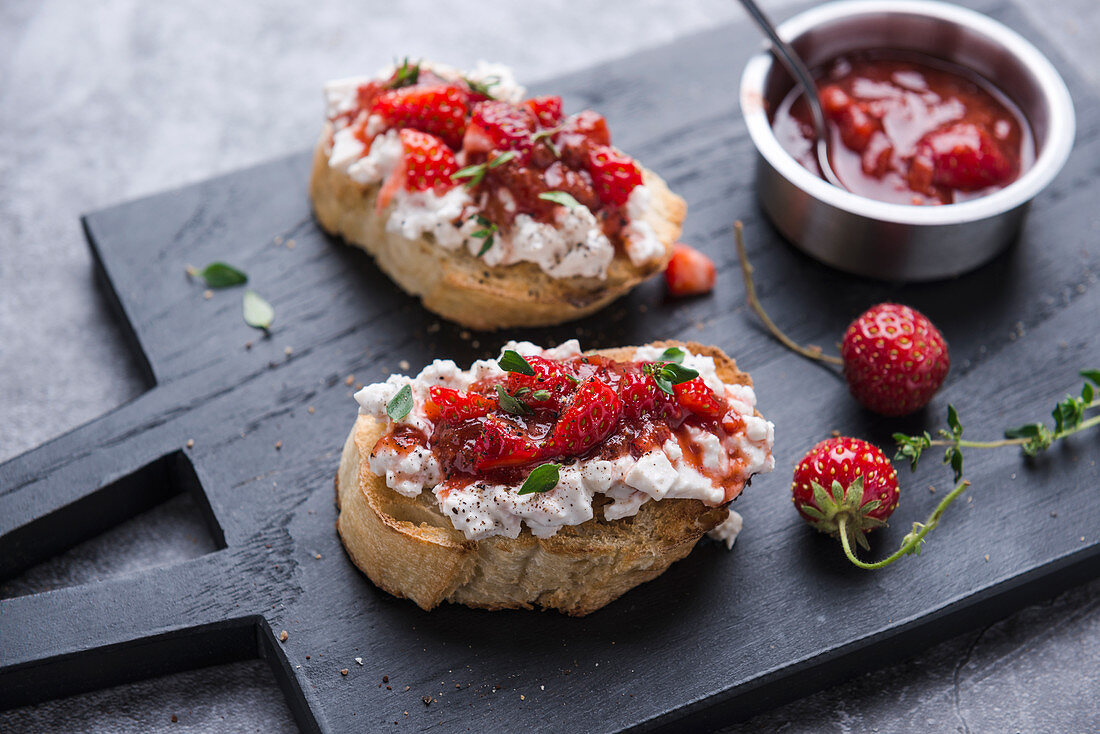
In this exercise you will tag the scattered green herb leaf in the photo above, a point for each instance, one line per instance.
(487, 233)
(560, 197)
(218, 275)
(482, 87)
(406, 75)
(401, 404)
(673, 354)
(513, 361)
(510, 403)
(541, 479)
(667, 374)
(540, 395)
(476, 172)
(258, 313)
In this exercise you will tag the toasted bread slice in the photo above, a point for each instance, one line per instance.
(410, 549)
(460, 287)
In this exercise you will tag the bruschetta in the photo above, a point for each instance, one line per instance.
(495, 209)
(547, 478)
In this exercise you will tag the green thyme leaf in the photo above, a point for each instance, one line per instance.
(513, 361)
(1087, 393)
(482, 87)
(401, 404)
(953, 420)
(487, 234)
(510, 403)
(503, 158)
(541, 479)
(219, 275)
(540, 395)
(1092, 376)
(477, 171)
(560, 197)
(258, 313)
(957, 463)
(673, 354)
(678, 373)
(406, 75)
(1031, 430)
(663, 383)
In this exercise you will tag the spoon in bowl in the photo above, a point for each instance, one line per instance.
(797, 69)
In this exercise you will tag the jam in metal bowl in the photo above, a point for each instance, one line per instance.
(910, 129)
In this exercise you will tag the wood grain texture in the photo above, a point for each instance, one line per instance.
(717, 637)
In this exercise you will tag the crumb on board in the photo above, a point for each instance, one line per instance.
(987, 558)
(283, 636)
(208, 294)
(343, 671)
(349, 380)
(278, 445)
(278, 240)
(288, 351)
(290, 244)
(173, 718)
(359, 660)
(190, 443)
(310, 410)
(317, 556)
(403, 364)
(427, 700)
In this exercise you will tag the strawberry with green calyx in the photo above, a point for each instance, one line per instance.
(894, 358)
(845, 480)
(846, 487)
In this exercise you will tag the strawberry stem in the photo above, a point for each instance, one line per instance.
(911, 543)
(754, 303)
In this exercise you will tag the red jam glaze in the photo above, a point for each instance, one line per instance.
(553, 152)
(577, 408)
(909, 129)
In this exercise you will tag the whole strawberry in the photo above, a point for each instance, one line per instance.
(895, 359)
(849, 480)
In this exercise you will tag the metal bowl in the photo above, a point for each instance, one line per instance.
(897, 241)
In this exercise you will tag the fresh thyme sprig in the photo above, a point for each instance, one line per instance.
(482, 87)
(668, 371)
(1032, 438)
(477, 171)
(406, 75)
(487, 233)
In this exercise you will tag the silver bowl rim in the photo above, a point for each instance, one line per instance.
(1055, 147)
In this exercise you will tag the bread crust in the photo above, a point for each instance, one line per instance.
(460, 287)
(411, 550)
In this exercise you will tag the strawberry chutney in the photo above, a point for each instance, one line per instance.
(910, 129)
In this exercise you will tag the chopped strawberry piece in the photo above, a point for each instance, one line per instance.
(640, 397)
(496, 125)
(550, 377)
(614, 174)
(426, 163)
(546, 109)
(438, 109)
(855, 124)
(700, 399)
(588, 125)
(500, 445)
(580, 133)
(451, 406)
(962, 156)
(586, 421)
(689, 272)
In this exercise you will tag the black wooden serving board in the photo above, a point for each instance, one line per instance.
(721, 634)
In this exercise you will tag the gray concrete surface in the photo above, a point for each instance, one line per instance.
(101, 102)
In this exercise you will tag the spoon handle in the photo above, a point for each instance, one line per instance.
(793, 63)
